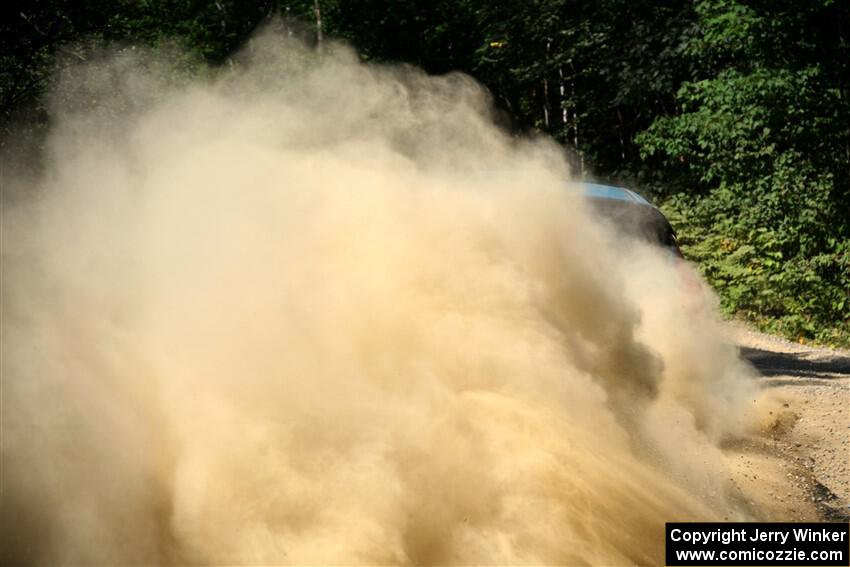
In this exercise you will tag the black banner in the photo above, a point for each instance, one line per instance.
(744, 543)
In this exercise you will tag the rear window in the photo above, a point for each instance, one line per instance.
(637, 221)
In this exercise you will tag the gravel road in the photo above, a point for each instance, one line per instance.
(799, 468)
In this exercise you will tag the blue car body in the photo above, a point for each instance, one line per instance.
(631, 214)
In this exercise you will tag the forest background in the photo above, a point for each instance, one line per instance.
(733, 115)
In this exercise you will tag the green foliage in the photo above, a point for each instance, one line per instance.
(802, 297)
(736, 126)
(757, 164)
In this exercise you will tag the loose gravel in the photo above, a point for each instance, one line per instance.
(804, 457)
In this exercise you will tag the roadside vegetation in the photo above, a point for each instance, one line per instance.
(733, 114)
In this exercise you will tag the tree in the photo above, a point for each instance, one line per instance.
(763, 135)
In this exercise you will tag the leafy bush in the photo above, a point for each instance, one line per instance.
(755, 167)
(761, 271)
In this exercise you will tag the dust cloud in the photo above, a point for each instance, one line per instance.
(308, 310)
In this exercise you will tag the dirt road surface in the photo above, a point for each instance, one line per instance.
(799, 468)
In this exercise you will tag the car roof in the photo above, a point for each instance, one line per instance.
(598, 191)
(629, 212)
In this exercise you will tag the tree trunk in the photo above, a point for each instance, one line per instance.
(318, 11)
(565, 116)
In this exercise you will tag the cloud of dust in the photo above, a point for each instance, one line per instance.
(309, 310)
